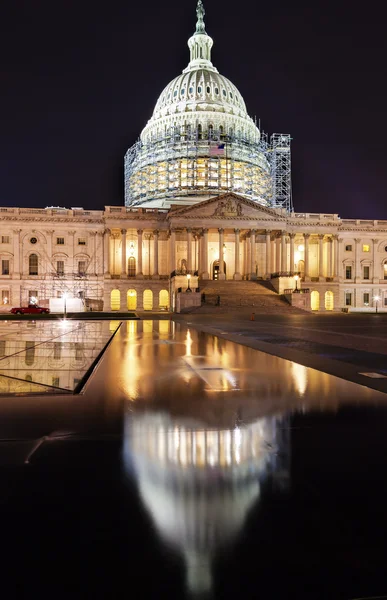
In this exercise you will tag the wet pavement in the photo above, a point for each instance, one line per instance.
(190, 466)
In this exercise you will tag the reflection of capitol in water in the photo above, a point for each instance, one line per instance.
(199, 484)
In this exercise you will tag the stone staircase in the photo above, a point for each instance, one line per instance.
(258, 296)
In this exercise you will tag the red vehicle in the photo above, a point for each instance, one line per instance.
(31, 309)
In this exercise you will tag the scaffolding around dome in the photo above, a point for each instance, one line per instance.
(188, 165)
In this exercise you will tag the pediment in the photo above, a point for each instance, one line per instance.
(227, 206)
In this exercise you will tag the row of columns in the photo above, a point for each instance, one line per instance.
(280, 241)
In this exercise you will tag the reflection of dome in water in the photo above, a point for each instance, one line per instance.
(198, 496)
(200, 141)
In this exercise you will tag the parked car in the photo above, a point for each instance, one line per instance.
(31, 309)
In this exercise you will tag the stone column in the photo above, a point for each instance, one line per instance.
(172, 251)
(93, 236)
(292, 266)
(356, 274)
(278, 253)
(375, 267)
(221, 260)
(50, 266)
(189, 250)
(237, 274)
(330, 257)
(16, 255)
(306, 256)
(268, 254)
(205, 274)
(106, 237)
(71, 266)
(336, 256)
(339, 273)
(320, 256)
(99, 253)
(123, 253)
(139, 273)
(253, 274)
(156, 255)
(284, 258)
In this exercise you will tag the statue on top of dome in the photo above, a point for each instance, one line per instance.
(200, 28)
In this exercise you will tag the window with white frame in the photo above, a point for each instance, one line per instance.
(60, 267)
(5, 267)
(81, 267)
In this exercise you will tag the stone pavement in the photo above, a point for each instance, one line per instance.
(344, 345)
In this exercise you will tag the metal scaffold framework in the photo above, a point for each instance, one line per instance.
(195, 162)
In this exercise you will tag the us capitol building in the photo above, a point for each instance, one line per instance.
(207, 197)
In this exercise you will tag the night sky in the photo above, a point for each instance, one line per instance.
(80, 79)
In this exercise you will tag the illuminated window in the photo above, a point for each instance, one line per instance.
(366, 273)
(115, 300)
(315, 300)
(60, 241)
(131, 267)
(348, 248)
(366, 248)
(385, 271)
(148, 300)
(131, 299)
(329, 300)
(164, 299)
(33, 264)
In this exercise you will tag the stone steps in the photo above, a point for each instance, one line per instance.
(234, 295)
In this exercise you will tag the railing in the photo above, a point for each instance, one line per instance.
(285, 274)
(298, 291)
(184, 273)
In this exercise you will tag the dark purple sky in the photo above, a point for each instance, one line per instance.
(79, 80)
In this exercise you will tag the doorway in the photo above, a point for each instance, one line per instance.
(215, 269)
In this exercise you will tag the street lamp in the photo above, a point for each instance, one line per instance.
(188, 282)
(296, 278)
(376, 298)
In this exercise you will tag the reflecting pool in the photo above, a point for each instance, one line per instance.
(193, 467)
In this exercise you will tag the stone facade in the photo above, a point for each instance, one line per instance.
(128, 259)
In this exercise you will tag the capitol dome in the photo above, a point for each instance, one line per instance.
(200, 141)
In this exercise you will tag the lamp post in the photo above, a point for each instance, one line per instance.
(65, 306)
(376, 298)
(188, 282)
(296, 278)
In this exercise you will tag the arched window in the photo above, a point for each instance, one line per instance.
(33, 264)
(200, 132)
(164, 299)
(329, 300)
(315, 300)
(183, 266)
(115, 300)
(132, 266)
(221, 132)
(148, 300)
(131, 298)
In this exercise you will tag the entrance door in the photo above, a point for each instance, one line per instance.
(215, 269)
